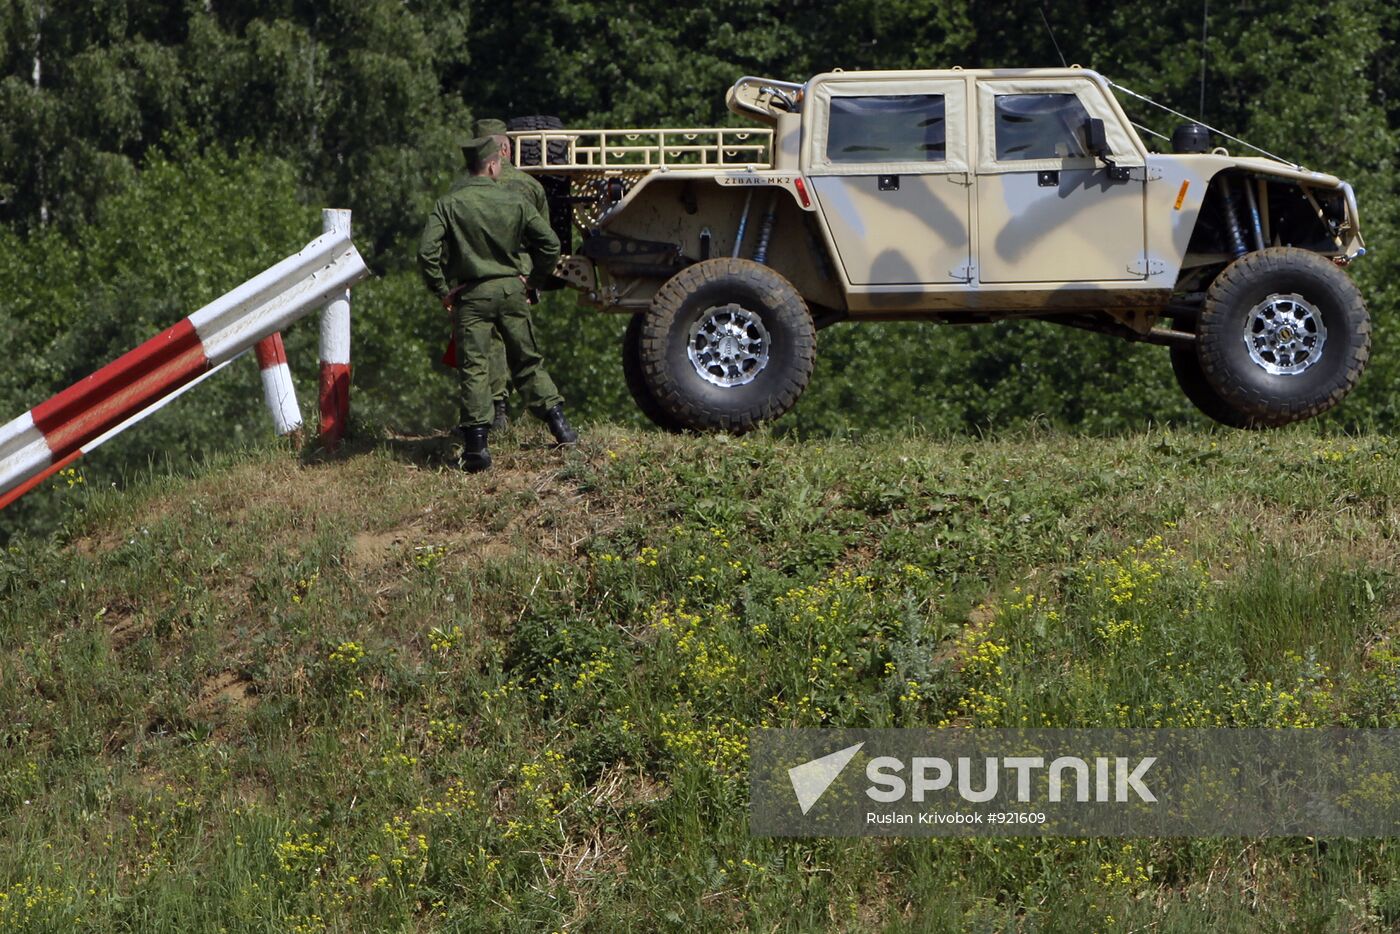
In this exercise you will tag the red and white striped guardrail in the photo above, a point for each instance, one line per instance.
(10, 496)
(54, 433)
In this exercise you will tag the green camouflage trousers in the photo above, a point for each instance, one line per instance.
(500, 372)
(497, 308)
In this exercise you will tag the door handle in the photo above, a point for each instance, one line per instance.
(889, 182)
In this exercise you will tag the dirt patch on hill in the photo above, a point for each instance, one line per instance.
(524, 506)
(226, 693)
(125, 627)
(372, 549)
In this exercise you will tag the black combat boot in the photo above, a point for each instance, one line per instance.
(502, 419)
(559, 426)
(475, 457)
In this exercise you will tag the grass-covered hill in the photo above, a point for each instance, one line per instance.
(371, 693)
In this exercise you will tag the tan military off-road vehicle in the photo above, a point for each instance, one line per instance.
(953, 196)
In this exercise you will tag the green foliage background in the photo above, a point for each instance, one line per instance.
(154, 153)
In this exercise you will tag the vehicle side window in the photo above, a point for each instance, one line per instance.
(903, 128)
(1040, 126)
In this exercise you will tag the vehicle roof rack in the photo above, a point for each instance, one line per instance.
(645, 150)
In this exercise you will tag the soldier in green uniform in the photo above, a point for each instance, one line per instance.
(533, 191)
(473, 241)
(511, 177)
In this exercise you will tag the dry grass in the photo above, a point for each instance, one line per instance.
(235, 700)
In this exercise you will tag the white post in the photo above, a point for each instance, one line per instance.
(278, 390)
(335, 350)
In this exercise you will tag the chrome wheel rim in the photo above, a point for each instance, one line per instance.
(728, 346)
(1284, 334)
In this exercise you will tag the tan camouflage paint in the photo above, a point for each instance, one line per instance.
(1084, 243)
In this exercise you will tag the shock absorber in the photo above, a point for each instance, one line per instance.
(1256, 227)
(765, 232)
(1234, 231)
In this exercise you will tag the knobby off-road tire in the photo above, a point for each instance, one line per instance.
(1284, 335)
(636, 380)
(1186, 365)
(727, 344)
(530, 152)
(556, 188)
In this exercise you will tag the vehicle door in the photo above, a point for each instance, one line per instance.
(888, 162)
(1048, 210)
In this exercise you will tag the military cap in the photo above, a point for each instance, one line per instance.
(479, 151)
(489, 127)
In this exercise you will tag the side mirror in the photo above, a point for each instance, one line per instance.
(1096, 139)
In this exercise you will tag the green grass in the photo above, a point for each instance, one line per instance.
(370, 693)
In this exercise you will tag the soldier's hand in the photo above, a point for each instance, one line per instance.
(447, 301)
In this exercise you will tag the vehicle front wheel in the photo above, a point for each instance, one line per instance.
(1284, 335)
(727, 344)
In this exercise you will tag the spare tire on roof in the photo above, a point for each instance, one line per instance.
(556, 187)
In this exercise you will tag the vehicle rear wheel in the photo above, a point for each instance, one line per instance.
(636, 380)
(1192, 380)
(727, 344)
(1284, 335)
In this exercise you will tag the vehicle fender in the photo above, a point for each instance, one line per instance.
(797, 187)
(703, 213)
(1179, 185)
